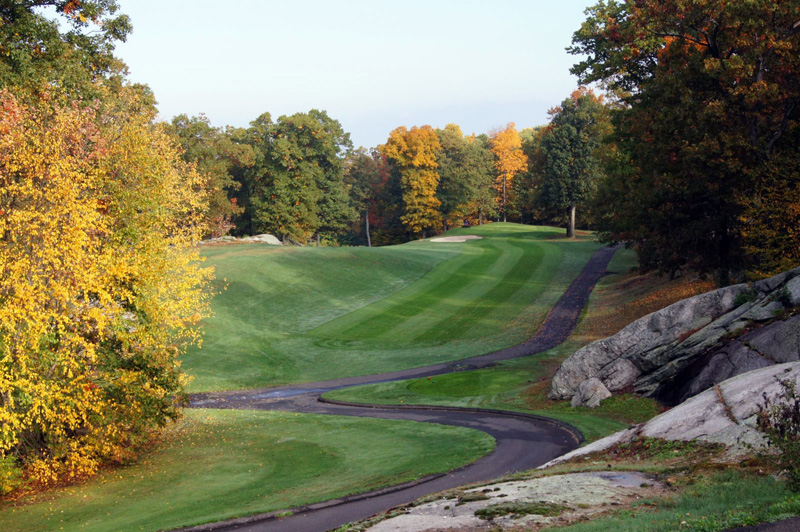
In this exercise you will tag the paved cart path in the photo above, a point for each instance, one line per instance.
(523, 441)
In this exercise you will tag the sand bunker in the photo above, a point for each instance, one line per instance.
(460, 238)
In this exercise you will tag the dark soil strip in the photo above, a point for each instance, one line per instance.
(523, 441)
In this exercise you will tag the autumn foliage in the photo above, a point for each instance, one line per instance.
(510, 160)
(413, 151)
(99, 285)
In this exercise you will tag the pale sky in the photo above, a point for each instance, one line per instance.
(371, 64)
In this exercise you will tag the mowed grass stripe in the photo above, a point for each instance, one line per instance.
(531, 296)
(472, 289)
(469, 318)
(445, 280)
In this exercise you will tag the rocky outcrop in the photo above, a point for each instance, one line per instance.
(257, 239)
(685, 348)
(552, 501)
(724, 414)
(590, 393)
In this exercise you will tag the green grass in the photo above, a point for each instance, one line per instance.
(223, 464)
(507, 387)
(520, 384)
(302, 314)
(717, 502)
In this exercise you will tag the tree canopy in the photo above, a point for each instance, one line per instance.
(569, 146)
(413, 151)
(708, 129)
(510, 160)
(100, 284)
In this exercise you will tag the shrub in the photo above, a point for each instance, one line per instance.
(745, 296)
(779, 420)
(10, 474)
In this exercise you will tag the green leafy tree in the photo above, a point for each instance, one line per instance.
(528, 205)
(215, 154)
(708, 135)
(570, 147)
(295, 188)
(466, 174)
(365, 173)
(73, 50)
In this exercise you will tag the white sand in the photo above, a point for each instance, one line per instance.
(461, 238)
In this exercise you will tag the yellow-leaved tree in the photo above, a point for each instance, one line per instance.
(413, 152)
(510, 160)
(100, 285)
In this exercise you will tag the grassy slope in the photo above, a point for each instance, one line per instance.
(522, 384)
(303, 314)
(222, 464)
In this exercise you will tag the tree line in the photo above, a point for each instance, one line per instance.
(300, 178)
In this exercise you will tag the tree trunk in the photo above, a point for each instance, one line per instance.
(318, 244)
(366, 218)
(424, 232)
(571, 226)
(480, 216)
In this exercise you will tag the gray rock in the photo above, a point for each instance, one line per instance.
(780, 342)
(590, 393)
(771, 344)
(268, 239)
(620, 374)
(719, 415)
(645, 341)
(793, 289)
(659, 353)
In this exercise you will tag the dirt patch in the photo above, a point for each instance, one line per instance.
(459, 238)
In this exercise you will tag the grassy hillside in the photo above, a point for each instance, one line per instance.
(522, 384)
(218, 464)
(291, 314)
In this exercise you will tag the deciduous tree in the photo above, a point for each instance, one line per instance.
(295, 188)
(100, 283)
(509, 161)
(570, 144)
(466, 176)
(214, 154)
(413, 151)
(710, 128)
(71, 49)
(365, 173)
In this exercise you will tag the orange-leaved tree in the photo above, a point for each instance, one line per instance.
(100, 285)
(510, 160)
(413, 152)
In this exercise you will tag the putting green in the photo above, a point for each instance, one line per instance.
(302, 314)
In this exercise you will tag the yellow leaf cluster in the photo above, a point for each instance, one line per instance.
(414, 152)
(100, 283)
(510, 160)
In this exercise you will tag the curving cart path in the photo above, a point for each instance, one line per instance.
(523, 441)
